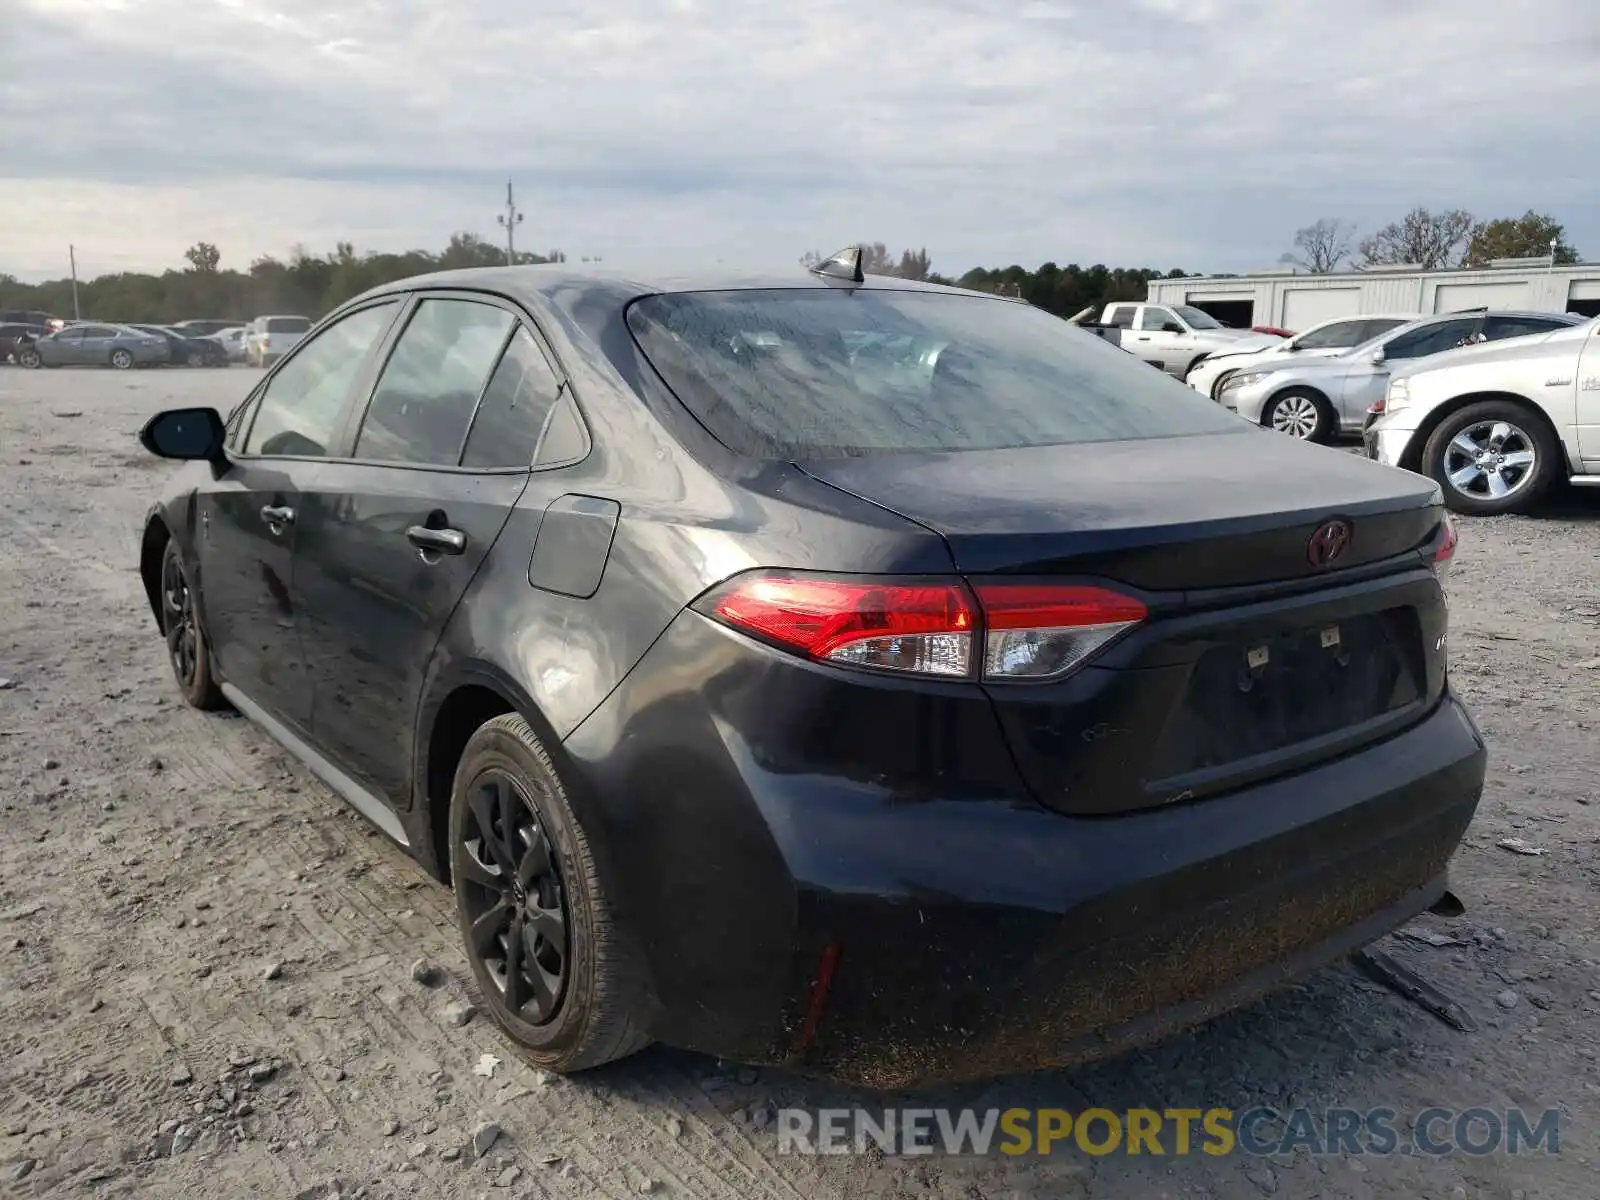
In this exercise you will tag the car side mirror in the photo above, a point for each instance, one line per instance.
(188, 434)
(1377, 357)
(1173, 327)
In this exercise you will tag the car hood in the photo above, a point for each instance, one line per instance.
(1238, 340)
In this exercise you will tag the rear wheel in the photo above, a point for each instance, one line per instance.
(1492, 457)
(533, 909)
(121, 359)
(1300, 413)
(186, 643)
(195, 358)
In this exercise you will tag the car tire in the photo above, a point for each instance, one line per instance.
(1301, 413)
(188, 653)
(1494, 425)
(121, 360)
(29, 357)
(195, 358)
(594, 1001)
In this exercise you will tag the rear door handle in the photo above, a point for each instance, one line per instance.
(437, 541)
(277, 516)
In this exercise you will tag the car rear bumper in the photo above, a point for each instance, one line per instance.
(967, 931)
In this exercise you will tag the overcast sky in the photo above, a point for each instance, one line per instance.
(1192, 133)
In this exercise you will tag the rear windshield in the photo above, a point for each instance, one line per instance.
(826, 373)
(287, 324)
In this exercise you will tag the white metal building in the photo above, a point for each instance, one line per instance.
(1295, 300)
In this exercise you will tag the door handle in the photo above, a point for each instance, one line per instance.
(436, 541)
(1144, 339)
(277, 516)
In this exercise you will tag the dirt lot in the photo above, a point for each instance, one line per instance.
(206, 961)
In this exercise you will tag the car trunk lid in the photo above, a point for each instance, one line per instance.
(1258, 657)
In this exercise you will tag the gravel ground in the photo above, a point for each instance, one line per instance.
(206, 961)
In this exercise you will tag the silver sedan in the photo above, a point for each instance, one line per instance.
(86, 345)
(1321, 398)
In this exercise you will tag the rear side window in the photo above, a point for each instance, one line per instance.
(1122, 316)
(514, 408)
(1430, 339)
(787, 373)
(1377, 328)
(426, 395)
(1510, 327)
(288, 324)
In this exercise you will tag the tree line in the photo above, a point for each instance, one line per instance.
(304, 283)
(1429, 240)
(313, 284)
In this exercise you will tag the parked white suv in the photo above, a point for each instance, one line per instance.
(1496, 424)
(269, 338)
(1210, 374)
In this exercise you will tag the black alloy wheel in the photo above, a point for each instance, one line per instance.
(513, 899)
(186, 644)
(177, 607)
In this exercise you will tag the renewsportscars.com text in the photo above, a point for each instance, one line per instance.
(1432, 1132)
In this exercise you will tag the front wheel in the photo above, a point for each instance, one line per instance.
(1300, 413)
(1492, 457)
(534, 912)
(187, 650)
(30, 358)
(121, 360)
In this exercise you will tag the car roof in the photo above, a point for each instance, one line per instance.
(560, 283)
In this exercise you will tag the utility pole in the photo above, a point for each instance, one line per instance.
(72, 257)
(509, 220)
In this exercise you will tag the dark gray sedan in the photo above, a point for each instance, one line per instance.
(96, 346)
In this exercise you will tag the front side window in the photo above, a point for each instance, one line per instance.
(430, 386)
(300, 408)
(288, 324)
(514, 408)
(781, 374)
(1430, 339)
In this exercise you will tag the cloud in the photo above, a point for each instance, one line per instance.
(1198, 133)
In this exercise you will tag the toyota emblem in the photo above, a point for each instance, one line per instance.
(1330, 540)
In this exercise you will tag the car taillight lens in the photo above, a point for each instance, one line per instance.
(1444, 547)
(922, 628)
(927, 627)
(1042, 631)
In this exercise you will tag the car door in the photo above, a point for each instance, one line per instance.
(1161, 339)
(94, 345)
(68, 348)
(1366, 382)
(249, 515)
(398, 530)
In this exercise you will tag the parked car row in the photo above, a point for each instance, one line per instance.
(196, 343)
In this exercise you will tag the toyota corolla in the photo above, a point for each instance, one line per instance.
(875, 678)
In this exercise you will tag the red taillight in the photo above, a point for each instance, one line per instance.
(920, 627)
(927, 627)
(1376, 408)
(1444, 547)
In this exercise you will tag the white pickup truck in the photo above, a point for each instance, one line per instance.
(1497, 424)
(1173, 337)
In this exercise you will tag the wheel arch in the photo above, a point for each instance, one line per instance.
(453, 711)
(152, 546)
(1411, 459)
